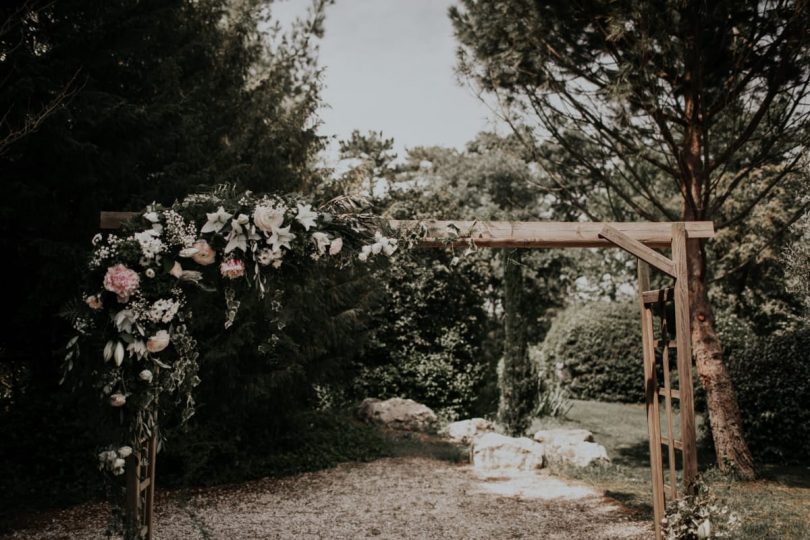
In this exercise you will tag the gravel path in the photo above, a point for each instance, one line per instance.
(390, 498)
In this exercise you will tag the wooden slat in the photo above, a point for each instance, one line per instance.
(673, 479)
(651, 400)
(671, 391)
(671, 344)
(633, 246)
(677, 443)
(145, 484)
(150, 493)
(658, 295)
(683, 336)
(527, 234)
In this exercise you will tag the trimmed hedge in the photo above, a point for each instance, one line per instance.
(772, 378)
(595, 349)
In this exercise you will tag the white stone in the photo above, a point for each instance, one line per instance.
(464, 431)
(398, 413)
(562, 436)
(572, 446)
(496, 452)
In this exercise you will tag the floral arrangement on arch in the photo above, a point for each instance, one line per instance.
(135, 312)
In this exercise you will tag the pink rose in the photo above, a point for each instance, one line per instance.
(122, 281)
(232, 268)
(205, 253)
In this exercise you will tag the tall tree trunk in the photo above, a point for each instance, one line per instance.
(730, 446)
(517, 378)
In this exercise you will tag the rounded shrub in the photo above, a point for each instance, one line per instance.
(596, 351)
(772, 378)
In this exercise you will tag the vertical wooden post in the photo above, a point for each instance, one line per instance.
(651, 399)
(683, 336)
(150, 490)
(132, 515)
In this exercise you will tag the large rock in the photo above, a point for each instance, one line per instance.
(496, 452)
(398, 413)
(464, 431)
(571, 446)
(562, 436)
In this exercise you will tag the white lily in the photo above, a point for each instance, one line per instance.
(216, 220)
(118, 355)
(306, 216)
(108, 350)
(189, 252)
(238, 238)
(281, 237)
(321, 241)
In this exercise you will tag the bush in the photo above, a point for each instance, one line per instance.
(772, 378)
(596, 351)
(427, 345)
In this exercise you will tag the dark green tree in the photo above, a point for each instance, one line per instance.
(656, 110)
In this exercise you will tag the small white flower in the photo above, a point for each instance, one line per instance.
(365, 251)
(306, 216)
(216, 220)
(267, 256)
(150, 273)
(118, 466)
(125, 452)
(118, 400)
(145, 376)
(137, 348)
(151, 217)
(336, 246)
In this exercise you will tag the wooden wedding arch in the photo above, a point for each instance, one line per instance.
(659, 334)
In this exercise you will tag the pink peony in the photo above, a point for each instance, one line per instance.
(232, 268)
(205, 253)
(122, 281)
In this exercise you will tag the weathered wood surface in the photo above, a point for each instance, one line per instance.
(683, 338)
(634, 247)
(517, 234)
(651, 398)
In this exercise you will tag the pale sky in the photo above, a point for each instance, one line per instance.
(389, 66)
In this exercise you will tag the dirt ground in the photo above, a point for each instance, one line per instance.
(405, 498)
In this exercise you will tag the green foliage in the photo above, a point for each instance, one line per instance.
(701, 515)
(428, 338)
(596, 349)
(772, 379)
(517, 376)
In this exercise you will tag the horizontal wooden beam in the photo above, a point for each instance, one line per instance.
(516, 234)
(546, 234)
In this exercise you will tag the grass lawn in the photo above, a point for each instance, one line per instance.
(776, 507)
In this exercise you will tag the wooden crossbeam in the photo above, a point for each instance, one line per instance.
(517, 234)
(633, 246)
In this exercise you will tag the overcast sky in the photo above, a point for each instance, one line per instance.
(389, 66)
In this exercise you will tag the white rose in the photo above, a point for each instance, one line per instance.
(118, 400)
(267, 218)
(158, 342)
(125, 451)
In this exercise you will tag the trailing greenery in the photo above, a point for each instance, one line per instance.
(772, 378)
(596, 350)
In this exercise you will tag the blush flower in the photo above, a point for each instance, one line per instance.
(94, 302)
(205, 254)
(158, 342)
(122, 281)
(232, 268)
